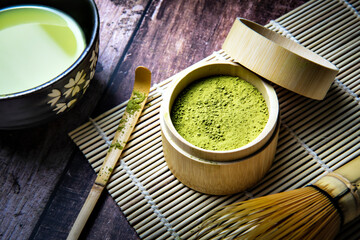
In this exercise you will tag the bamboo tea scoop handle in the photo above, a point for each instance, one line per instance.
(127, 123)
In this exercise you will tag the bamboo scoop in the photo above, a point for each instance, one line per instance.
(127, 123)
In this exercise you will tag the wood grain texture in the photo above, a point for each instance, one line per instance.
(33, 160)
(118, 20)
(29, 172)
(177, 34)
(44, 179)
(106, 221)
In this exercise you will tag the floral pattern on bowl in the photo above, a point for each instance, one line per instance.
(76, 86)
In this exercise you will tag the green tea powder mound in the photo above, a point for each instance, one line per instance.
(219, 113)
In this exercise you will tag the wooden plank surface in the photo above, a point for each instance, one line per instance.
(175, 34)
(44, 178)
(33, 160)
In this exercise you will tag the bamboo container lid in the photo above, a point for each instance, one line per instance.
(279, 59)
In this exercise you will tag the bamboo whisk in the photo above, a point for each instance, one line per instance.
(315, 212)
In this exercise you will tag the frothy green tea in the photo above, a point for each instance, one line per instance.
(36, 45)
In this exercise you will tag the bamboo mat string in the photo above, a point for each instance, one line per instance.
(348, 90)
(306, 147)
(219, 55)
(351, 7)
(100, 132)
(160, 88)
(283, 30)
(249, 195)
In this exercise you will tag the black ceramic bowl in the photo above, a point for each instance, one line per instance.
(58, 95)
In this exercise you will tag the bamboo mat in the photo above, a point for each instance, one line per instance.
(316, 137)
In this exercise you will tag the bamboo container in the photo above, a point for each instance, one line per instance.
(219, 172)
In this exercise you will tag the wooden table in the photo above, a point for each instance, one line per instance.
(44, 178)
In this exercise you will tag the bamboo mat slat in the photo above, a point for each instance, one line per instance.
(315, 137)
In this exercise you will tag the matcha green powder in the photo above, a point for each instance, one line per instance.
(219, 113)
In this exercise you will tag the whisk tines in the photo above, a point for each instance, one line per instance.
(303, 213)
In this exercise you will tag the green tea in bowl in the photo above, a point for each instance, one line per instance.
(219, 113)
(48, 56)
(36, 44)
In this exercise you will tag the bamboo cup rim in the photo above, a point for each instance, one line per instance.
(221, 68)
(279, 59)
